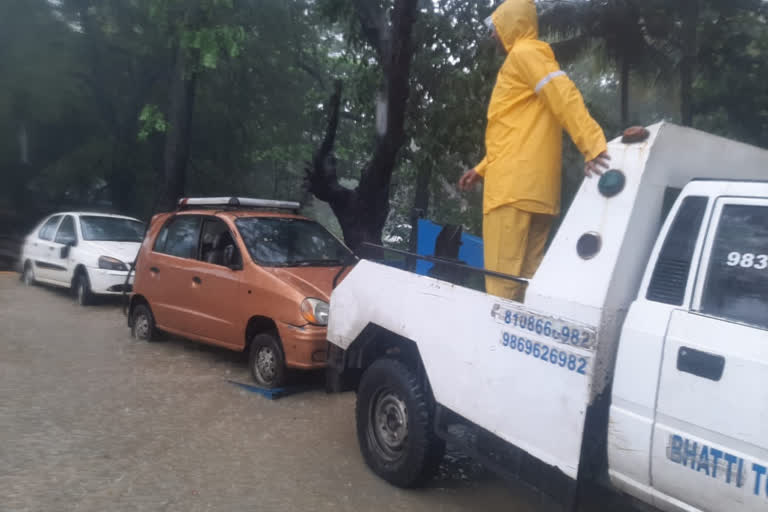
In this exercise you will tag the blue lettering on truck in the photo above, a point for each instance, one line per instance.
(718, 464)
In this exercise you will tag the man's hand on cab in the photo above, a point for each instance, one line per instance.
(469, 180)
(598, 165)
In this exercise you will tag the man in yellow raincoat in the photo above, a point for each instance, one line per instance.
(532, 102)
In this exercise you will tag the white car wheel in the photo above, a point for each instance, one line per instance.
(82, 290)
(29, 274)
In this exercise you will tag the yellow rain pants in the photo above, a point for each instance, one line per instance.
(514, 242)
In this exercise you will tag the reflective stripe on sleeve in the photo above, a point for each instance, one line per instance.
(544, 81)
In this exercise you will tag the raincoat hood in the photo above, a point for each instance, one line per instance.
(515, 20)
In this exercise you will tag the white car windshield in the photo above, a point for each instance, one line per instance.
(111, 229)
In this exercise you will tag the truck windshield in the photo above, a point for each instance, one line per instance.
(737, 280)
(111, 229)
(288, 242)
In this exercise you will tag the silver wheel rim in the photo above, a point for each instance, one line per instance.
(266, 364)
(141, 327)
(388, 427)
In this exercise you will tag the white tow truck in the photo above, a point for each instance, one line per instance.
(639, 356)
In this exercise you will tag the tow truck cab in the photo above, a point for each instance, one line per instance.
(640, 353)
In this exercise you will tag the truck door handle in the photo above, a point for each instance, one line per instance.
(702, 364)
(154, 270)
(197, 280)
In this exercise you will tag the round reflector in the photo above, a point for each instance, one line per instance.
(612, 183)
(635, 134)
(589, 245)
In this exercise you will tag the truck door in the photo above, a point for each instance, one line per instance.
(710, 436)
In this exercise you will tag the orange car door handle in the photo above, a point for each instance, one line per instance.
(197, 280)
(154, 270)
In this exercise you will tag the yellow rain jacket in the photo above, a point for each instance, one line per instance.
(532, 102)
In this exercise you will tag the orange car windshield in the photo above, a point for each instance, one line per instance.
(288, 242)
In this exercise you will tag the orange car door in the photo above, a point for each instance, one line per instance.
(169, 274)
(217, 315)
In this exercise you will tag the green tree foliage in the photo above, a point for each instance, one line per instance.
(44, 115)
(729, 93)
(87, 89)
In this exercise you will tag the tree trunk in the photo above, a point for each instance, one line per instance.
(625, 68)
(420, 208)
(363, 211)
(122, 172)
(177, 138)
(688, 64)
(420, 204)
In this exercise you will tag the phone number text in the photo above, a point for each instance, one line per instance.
(561, 333)
(545, 353)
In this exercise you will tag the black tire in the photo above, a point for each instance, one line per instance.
(143, 323)
(267, 361)
(81, 288)
(28, 275)
(395, 419)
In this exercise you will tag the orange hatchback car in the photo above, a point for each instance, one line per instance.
(246, 274)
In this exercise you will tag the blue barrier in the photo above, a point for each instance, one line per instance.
(470, 252)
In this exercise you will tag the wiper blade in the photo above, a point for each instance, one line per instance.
(317, 263)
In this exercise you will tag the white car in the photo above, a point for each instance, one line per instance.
(87, 252)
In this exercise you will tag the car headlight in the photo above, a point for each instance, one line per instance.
(315, 311)
(109, 263)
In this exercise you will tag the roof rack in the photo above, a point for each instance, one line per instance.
(237, 202)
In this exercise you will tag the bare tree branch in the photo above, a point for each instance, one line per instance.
(374, 24)
(397, 91)
(321, 177)
(314, 73)
(363, 212)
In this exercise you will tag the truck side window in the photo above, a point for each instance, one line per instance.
(670, 276)
(736, 286)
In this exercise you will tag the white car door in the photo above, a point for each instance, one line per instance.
(63, 263)
(710, 438)
(43, 249)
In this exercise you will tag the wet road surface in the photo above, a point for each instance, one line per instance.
(93, 420)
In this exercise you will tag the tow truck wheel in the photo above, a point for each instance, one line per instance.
(394, 425)
(267, 361)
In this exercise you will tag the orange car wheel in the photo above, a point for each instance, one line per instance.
(267, 361)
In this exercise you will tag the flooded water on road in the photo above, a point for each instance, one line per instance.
(93, 420)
